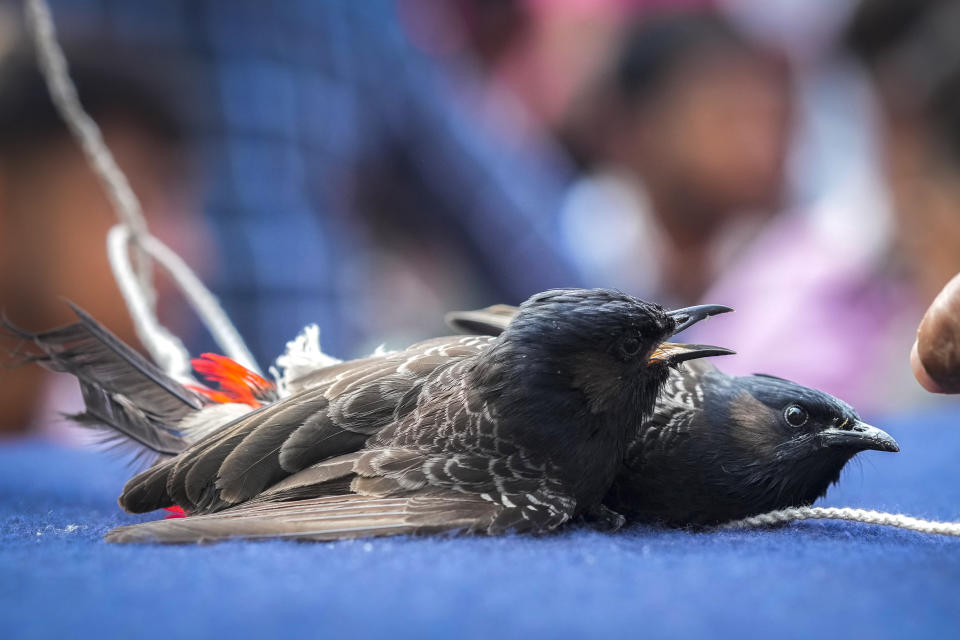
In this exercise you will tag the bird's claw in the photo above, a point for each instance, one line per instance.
(602, 518)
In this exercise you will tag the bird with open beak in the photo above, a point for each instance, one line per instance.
(515, 433)
(720, 447)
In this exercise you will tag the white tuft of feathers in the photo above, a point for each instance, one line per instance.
(382, 350)
(302, 356)
(202, 423)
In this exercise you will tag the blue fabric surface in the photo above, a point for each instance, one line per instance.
(58, 579)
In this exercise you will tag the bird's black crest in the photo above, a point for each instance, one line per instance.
(587, 316)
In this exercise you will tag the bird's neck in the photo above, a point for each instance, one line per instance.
(550, 409)
(780, 484)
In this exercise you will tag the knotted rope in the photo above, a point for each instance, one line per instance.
(132, 234)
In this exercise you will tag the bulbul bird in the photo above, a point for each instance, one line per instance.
(720, 447)
(520, 432)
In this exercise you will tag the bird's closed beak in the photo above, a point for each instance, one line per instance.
(860, 436)
(674, 353)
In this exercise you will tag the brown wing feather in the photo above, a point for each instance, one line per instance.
(316, 438)
(329, 518)
(254, 464)
(234, 464)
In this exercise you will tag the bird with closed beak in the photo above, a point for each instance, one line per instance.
(515, 433)
(721, 447)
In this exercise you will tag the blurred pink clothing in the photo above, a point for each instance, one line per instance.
(812, 308)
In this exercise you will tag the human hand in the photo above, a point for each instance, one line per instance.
(935, 356)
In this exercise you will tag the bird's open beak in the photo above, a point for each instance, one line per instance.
(690, 316)
(674, 353)
(860, 436)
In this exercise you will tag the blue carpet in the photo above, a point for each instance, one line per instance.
(58, 579)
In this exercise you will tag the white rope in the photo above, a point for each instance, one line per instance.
(211, 313)
(132, 235)
(53, 66)
(165, 348)
(867, 516)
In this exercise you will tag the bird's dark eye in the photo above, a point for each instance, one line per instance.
(796, 416)
(630, 346)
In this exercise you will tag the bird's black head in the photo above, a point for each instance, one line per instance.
(792, 442)
(801, 422)
(597, 341)
(754, 444)
(605, 343)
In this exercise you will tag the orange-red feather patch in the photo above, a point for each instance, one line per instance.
(235, 383)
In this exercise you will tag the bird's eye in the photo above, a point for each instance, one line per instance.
(630, 346)
(796, 416)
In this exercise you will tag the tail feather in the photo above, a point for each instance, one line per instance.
(92, 353)
(127, 399)
(125, 425)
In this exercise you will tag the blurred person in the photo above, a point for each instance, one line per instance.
(659, 100)
(912, 52)
(834, 304)
(536, 55)
(556, 51)
(685, 137)
(54, 212)
(544, 54)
